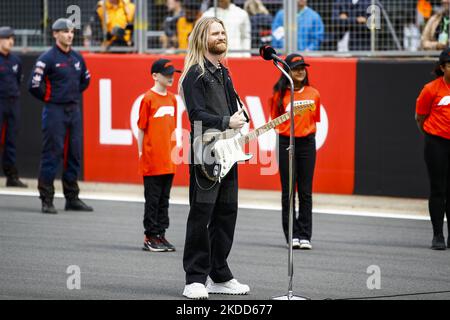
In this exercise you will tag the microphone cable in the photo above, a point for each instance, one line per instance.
(198, 182)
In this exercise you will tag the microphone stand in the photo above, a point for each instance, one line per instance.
(290, 295)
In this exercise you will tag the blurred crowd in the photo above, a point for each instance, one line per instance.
(325, 25)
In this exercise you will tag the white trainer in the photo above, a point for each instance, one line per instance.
(195, 291)
(305, 244)
(229, 287)
(295, 243)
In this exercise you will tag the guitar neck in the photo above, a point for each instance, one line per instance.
(263, 129)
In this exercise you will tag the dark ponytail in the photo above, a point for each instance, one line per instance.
(437, 70)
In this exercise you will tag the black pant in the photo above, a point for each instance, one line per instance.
(305, 161)
(210, 227)
(437, 158)
(9, 121)
(157, 194)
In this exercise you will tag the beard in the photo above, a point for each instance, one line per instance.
(217, 48)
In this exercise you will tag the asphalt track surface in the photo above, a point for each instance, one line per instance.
(36, 251)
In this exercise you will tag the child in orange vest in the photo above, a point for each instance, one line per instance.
(157, 122)
(305, 148)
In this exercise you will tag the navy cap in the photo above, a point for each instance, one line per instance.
(163, 66)
(62, 24)
(294, 60)
(444, 57)
(6, 32)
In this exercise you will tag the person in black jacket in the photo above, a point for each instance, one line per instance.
(261, 22)
(10, 78)
(58, 79)
(212, 103)
(351, 16)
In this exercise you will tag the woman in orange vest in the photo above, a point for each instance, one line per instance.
(305, 147)
(433, 120)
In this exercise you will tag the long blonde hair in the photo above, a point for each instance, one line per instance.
(197, 47)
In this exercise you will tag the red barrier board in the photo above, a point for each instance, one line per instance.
(118, 82)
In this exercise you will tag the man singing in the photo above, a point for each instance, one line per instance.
(212, 103)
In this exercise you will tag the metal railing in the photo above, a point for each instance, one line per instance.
(325, 28)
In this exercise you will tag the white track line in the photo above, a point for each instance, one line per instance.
(111, 197)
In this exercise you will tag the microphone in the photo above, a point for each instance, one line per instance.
(269, 53)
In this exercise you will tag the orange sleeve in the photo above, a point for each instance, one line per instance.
(424, 102)
(317, 112)
(144, 113)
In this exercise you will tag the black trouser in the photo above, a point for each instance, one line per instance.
(437, 158)
(210, 228)
(9, 121)
(157, 194)
(305, 160)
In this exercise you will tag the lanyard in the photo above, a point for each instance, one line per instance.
(446, 23)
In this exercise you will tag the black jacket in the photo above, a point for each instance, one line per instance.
(207, 100)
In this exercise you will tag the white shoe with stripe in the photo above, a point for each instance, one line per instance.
(195, 291)
(229, 287)
(305, 244)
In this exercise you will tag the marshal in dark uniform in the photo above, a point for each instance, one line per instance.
(58, 79)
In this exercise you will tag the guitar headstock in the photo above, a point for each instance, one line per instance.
(299, 109)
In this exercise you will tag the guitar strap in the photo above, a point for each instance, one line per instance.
(241, 104)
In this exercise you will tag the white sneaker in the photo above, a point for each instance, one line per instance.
(230, 287)
(305, 244)
(295, 243)
(195, 291)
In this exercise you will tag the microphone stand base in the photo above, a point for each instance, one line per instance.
(290, 297)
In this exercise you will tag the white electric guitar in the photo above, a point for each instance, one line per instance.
(217, 152)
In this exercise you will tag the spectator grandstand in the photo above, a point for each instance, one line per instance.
(397, 24)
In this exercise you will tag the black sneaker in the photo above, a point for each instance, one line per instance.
(15, 182)
(153, 244)
(438, 242)
(448, 241)
(77, 205)
(48, 207)
(168, 245)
